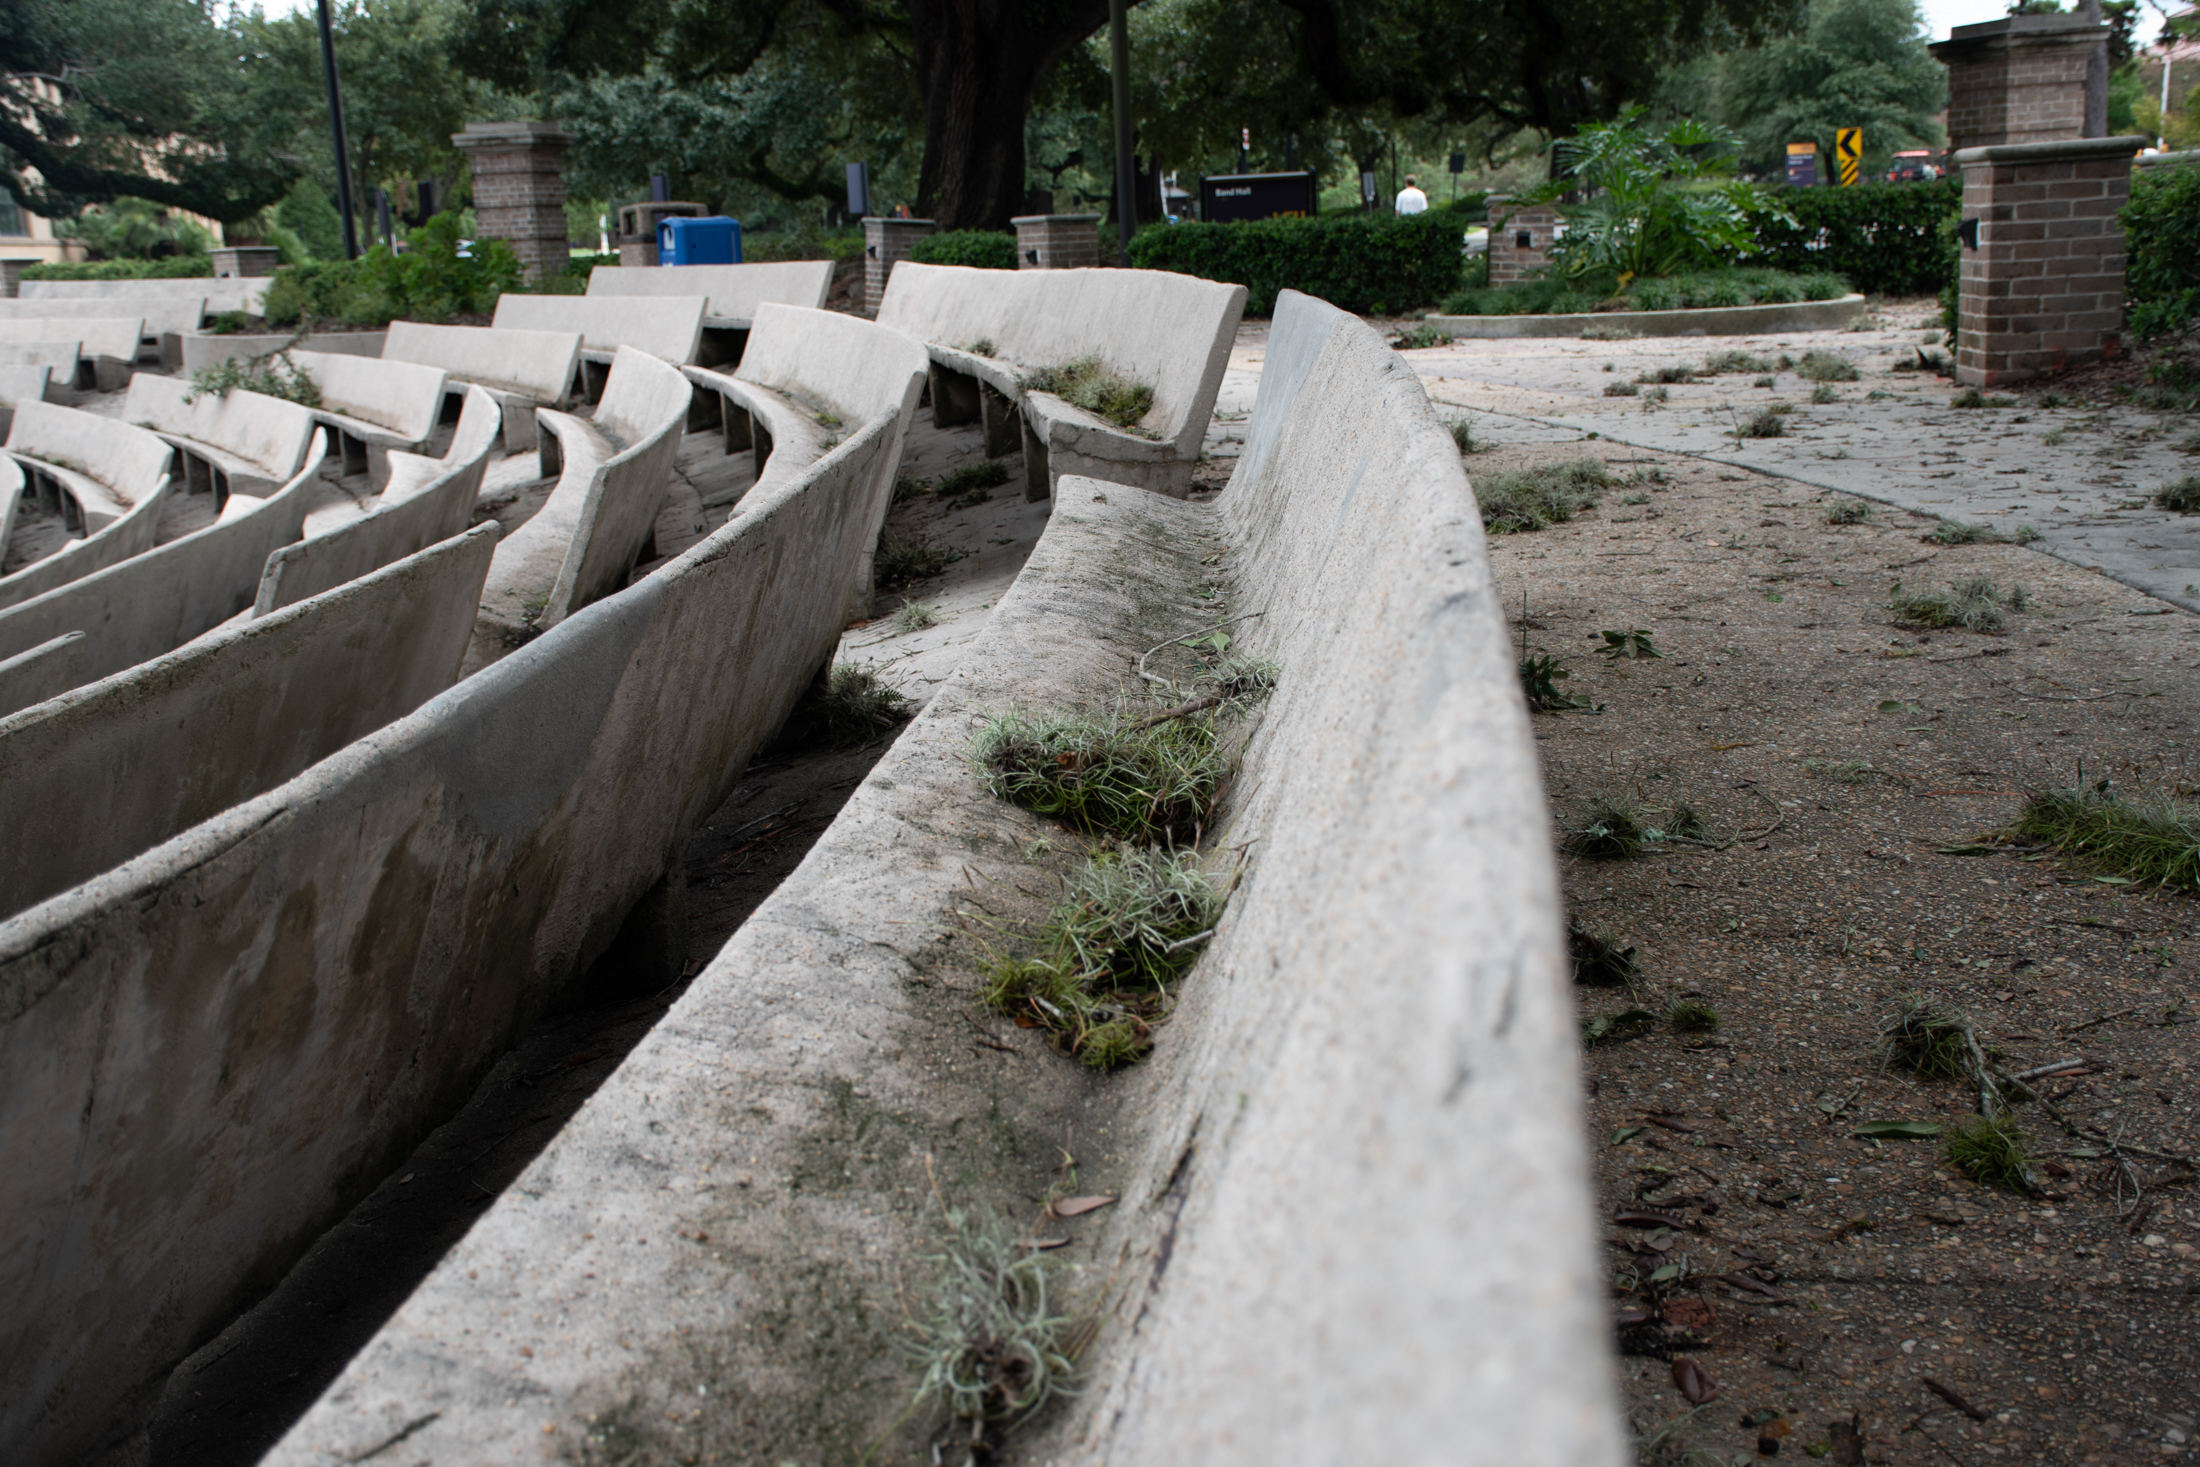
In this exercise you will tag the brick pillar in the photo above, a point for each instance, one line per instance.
(884, 242)
(519, 188)
(2042, 284)
(2019, 80)
(11, 276)
(1520, 238)
(1057, 241)
(245, 261)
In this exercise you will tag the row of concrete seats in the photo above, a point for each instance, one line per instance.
(101, 349)
(731, 293)
(669, 328)
(1170, 331)
(524, 370)
(237, 442)
(380, 926)
(166, 319)
(217, 294)
(1354, 1222)
(612, 471)
(109, 480)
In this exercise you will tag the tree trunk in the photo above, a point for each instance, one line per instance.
(978, 62)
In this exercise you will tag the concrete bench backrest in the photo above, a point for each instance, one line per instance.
(46, 671)
(830, 358)
(129, 462)
(97, 776)
(131, 535)
(153, 603)
(669, 327)
(733, 291)
(538, 364)
(512, 822)
(266, 432)
(644, 407)
(163, 315)
(432, 512)
(404, 397)
(221, 294)
(117, 337)
(22, 384)
(58, 356)
(1149, 325)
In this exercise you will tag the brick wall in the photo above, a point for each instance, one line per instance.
(1520, 239)
(1057, 241)
(884, 242)
(519, 188)
(2020, 80)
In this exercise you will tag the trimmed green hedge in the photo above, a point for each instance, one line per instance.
(178, 267)
(982, 249)
(2162, 249)
(1371, 263)
(1885, 237)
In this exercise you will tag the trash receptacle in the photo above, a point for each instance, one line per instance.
(712, 241)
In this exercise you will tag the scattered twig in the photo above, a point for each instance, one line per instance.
(1967, 656)
(985, 1036)
(2041, 1071)
(1204, 700)
(1948, 1394)
(2096, 1023)
(2069, 697)
(1188, 636)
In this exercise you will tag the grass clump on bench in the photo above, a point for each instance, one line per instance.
(1090, 383)
(272, 376)
(1974, 604)
(1132, 920)
(1531, 499)
(992, 1350)
(2156, 841)
(2181, 496)
(1105, 776)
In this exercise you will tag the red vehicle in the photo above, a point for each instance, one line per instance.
(1914, 166)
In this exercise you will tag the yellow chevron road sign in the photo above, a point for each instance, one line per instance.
(1848, 153)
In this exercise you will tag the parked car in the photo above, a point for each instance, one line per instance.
(1915, 166)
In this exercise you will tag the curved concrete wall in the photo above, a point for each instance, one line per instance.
(97, 776)
(47, 670)
(13, 485)
(153, 603)
(731, 293)
(1355, 1223)
(209, 1053)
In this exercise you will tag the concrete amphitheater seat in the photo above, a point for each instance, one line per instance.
(108, 479)
(523, 370)
(236, 442)
(669, 328)
(165, 319)
(732, 294)
(105, 348)
(372, 407)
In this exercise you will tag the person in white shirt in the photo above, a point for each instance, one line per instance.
(1410, 198)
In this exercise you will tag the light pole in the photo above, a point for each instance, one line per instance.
(336, 131)
(1126, 172)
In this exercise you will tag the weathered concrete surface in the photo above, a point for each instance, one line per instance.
(47, 670)
(207, 1054)
(733, 292)
(579, 547)
(1170, 330)
(111, 478)
(373, 406)
(59, 358)
(220, 293)
(96, 776)
(237, 442)
(204, 350)
(524, 369)
(166, 320)
(1354, 1221)
(427, 501)
(1833, 315)
(667, 327)
(106, 345)
(22, 384)
(153, 603)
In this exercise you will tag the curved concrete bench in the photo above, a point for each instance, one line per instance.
(525, 370)
(106, 346)
(109, 479)
(1173, 331)
(21, 384)
(237, 442)
(59, 358)
(372, 406)
(428, 500)
(166, 320)
(612, 474)
(667, 327)
(153, 603)
(220, 293)
(1355, 1222)
(46, 671)
(96, 776)
(732, 292)
(275, 1005)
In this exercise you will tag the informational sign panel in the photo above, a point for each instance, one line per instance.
(1234, 196)
(1848, 154)
(1802, 165)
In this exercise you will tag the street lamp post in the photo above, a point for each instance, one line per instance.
(1126, 172)
(336, 131)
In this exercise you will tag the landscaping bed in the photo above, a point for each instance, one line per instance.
(1835, 314)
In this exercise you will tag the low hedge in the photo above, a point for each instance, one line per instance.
(176, 267)
(1371, 263)
(1886, 238)
(2162, 249)
(982, 249)
(431, 281)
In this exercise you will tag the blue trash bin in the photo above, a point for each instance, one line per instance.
(712, 241)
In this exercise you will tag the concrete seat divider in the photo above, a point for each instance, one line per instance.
(166, 320)
(106, 346)
(733, 293)
(613, 470)
(428, 500)
(1353, 1218)
(669, 328)
(209, 1053)
(153, 603)
(109, 480)
(372, 406)
(1171, 332)
(236, 442)
(97, 775)
(524, 370)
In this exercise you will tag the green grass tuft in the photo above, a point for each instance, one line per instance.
(1928, 1037)
(1666, 376)
(1719, 363)
(1991, 1153)
(1533, 499)
(1621, 389)
(914, 616)
(1462, 434)
(905, 558)
(1847, 511)
(854, 706)
(1764, 423)
(1599, 960)
(1611, 830)
(970, 482)
(1104, 777)
(1974, 604)
(1090, 383)
(989, 1343)
(1689, 1016)
(2152, 840)
(2182, 495)
(1824, 366)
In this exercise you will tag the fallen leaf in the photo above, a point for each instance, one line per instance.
(1691, 1314)
(1642, 1219)
(1898, 1130)
(1076, 1206)
(1040, 1245)
(1744, 1281)
(1625, 1134)
(1695, 1381)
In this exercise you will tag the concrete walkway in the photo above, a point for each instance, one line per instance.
(2082, 477)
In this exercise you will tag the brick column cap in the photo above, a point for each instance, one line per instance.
(1055, 219)
(2059, 150)
(1967, 43)
(509, 134)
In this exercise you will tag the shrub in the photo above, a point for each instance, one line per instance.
(1692, 291)
(982, 249)
(1887, 238)
(176, 267)
(2162, 249)
(430, 281)
(1357, 262)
